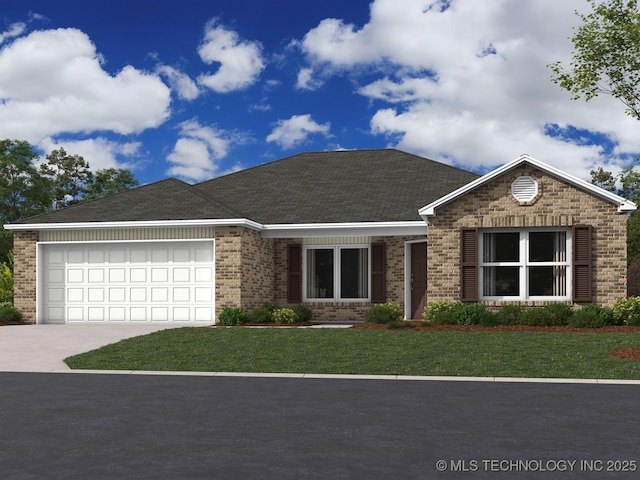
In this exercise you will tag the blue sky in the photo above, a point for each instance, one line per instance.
(196, 89)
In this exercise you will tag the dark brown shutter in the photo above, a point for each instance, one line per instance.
(469, 265)
(582, 263)
(378, 273)
(294, 273)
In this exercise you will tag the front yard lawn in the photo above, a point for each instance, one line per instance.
(372, 352)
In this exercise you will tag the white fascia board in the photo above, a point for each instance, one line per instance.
(232, 222)
(371, 229)
(623, 204)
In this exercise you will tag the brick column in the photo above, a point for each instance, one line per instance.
(24, 274)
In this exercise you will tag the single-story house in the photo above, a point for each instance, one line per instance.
(336, 231)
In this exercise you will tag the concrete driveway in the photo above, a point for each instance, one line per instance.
(42, 348)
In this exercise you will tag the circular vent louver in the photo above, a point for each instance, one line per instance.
(524, 189)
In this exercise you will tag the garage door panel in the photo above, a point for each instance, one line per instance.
(142, 282)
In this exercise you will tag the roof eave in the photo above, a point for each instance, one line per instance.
(242, 222)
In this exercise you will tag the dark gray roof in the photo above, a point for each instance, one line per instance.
(341, 186)
(169, 199)
(322, 187)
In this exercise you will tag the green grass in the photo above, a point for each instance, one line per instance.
(375, 352)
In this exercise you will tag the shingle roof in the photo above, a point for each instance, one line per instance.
(169, 199)
(322, 187)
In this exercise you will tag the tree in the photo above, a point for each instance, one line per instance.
(603, 179)
(70, 175)
(629, 180)
(109, 181)
(23, 190)
(606, 57)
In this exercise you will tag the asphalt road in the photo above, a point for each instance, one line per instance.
(85, 426)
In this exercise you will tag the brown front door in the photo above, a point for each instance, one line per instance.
(418, 279)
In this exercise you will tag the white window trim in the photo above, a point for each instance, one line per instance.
(336, 273)
(524, 264)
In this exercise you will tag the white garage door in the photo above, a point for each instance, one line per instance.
(160, 282)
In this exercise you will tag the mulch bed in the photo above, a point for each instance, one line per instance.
(630, 353)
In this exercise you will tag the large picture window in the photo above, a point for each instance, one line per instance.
(525, 264)
(337, 273)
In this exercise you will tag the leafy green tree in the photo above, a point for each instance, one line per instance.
(606, 56)
(603, 179)
(109, 181)
(70, 175)
(23, 190)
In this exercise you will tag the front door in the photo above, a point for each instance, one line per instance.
(418, 279)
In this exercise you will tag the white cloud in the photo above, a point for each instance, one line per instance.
(14, 30)
(99, 152)
(196, 153)
(240, 61)
(186, 88)
(294, 131)
(52, 82)
(468, 81)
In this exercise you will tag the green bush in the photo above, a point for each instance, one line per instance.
(383, 313)
(626, 311)
(6, 281)
(9, 313)
(536, 317)
(441, 313)
(232, 316)
(263, 314)
(592, 316)
(510, 314)
(559, 313)
(303, 313)
(586, 318)
(284, 315)
(474, 314)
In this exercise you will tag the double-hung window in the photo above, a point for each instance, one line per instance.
(336, 272)
(525, 264)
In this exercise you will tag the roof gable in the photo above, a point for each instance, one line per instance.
(624, 205)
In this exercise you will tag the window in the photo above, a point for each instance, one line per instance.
(336, 273)
(524, 264)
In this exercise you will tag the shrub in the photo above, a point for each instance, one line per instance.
(509, 314)
(536, 317)
(6, 280)
(383, 313)
(633, 278)
(303, 313)
(284, 315)
(441, 313)
(232, 316)
(627, 311)
(592, 316)
(559, 313)
(263, 314)
(473, 314)
(9, 313)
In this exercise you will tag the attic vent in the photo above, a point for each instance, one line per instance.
(524, 189)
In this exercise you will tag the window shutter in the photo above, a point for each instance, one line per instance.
(378, 273)
(582, 263)
(469, 265)
(294, 273)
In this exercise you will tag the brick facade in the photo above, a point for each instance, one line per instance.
(557, 204)
(24, 274)
(244, 268)
(347, 311)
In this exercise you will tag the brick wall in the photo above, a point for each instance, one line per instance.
(558, 204)
(244, 268)
(24, 250)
